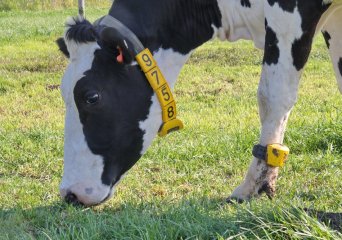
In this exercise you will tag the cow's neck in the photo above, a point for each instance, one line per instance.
(170, 29)
(173, 29)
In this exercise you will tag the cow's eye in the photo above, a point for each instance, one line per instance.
(92, 97)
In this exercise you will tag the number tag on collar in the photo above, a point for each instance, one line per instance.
(164, 95)
(163, 92)
(156, 78)
(145, 60)
(169, 112)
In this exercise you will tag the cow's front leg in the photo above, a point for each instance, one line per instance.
(289, 34)
(276, 97)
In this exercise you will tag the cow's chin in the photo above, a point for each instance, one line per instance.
(96, 202)
(109, 196)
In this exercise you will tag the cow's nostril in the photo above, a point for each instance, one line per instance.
(72, 199)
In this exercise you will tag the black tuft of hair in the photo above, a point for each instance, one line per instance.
(63, 47)
(81, 31)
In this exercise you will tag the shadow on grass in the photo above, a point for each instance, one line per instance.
(195, 218)
(334, 220)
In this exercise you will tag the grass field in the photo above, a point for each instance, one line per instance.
(8, 5)
(177, 190)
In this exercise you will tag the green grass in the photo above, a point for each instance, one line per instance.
(177, 190)
(7, 5)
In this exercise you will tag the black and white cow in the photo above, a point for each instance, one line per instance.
(112, 114)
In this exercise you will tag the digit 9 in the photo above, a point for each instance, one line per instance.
(147, 60)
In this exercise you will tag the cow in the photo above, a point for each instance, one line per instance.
(113, 113)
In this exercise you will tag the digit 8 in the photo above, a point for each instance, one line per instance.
(170, 112)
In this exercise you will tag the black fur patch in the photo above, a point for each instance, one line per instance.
(327, 38)
(300, 51)
(286, 5)
(310, 12)
(178, 24)
(272, 53)
(245, 3)
(63, 47)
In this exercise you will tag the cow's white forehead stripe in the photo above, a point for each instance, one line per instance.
(82, 169)
(81, 59)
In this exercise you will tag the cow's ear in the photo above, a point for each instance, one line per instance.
(63, 47)
(112, 39)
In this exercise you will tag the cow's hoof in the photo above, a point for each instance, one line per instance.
(232, 200)
(246, 192)
(242, 193)
(268, 189)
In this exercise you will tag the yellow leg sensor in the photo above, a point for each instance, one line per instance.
(275, 154)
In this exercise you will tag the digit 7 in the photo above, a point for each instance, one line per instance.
(155, 74)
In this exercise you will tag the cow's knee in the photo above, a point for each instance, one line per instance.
(276, 101)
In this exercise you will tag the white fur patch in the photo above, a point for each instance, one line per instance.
(240, 22)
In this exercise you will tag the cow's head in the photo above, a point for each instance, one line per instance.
(107, 101)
